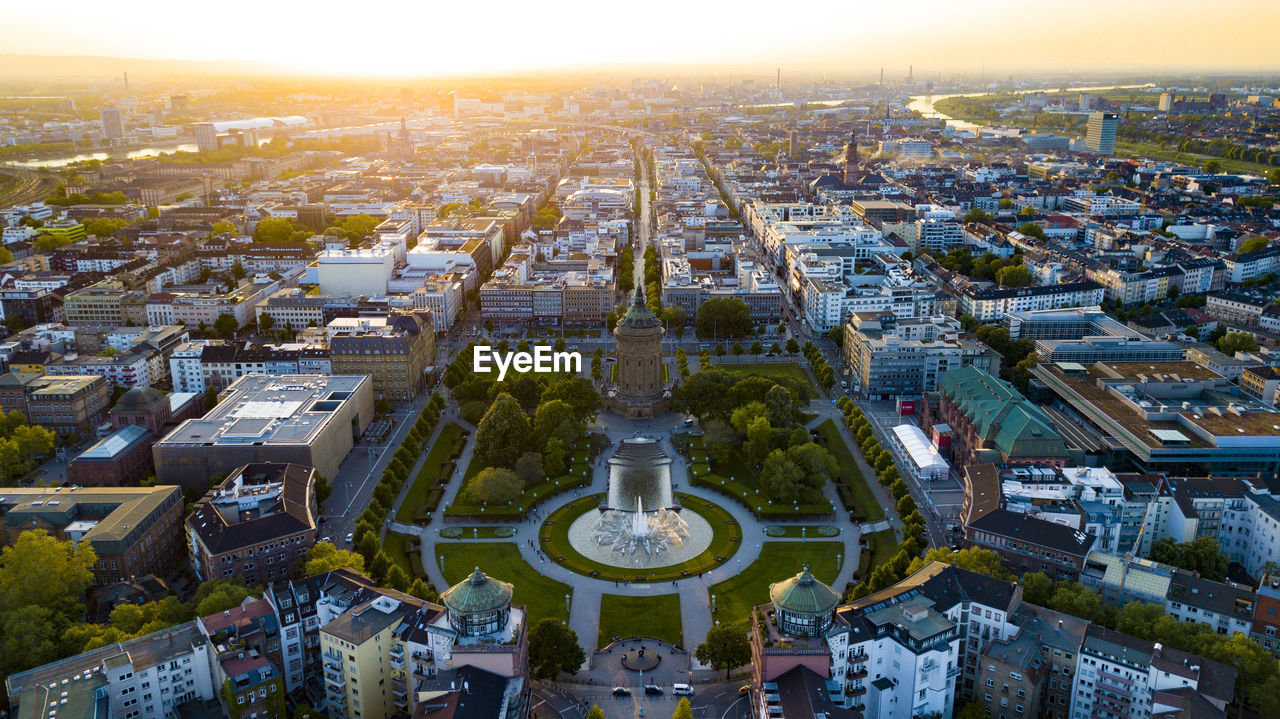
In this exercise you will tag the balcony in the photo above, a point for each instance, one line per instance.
(424, 656)
(397, 664)
(855, 658)
(856, 673)
(953, 672)
(855, 691)
(397, 652)
(336, 680)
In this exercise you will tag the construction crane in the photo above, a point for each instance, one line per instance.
(1137, 540)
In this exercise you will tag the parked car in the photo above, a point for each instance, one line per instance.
(350, 535)
(652, 689)
(682, 690)
(621, 692)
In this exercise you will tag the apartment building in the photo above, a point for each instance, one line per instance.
(107, 302)
(292, 308)
(396, 352)
(152, 677)
(72, 404)
(255, 525)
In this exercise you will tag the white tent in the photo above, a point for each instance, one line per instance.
(926, 461)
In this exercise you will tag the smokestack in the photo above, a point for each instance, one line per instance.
(882, 78)
(126, 82)
(778, 83)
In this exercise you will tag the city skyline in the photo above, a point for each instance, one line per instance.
(841, 40)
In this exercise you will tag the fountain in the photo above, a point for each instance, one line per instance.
(625, 533)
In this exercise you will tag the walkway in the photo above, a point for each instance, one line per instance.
(695, 604)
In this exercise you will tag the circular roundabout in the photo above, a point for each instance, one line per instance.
(709, 537)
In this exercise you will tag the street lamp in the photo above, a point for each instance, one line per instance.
(713, 604)
(566, 604)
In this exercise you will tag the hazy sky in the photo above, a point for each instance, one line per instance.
(392, 37)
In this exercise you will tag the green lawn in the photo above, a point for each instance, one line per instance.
(725, 541)
(769, 369)
(579, 476)
(778, 560)
(657, 617)
(428, 477)
(881, 546)
(396, 547)
(850, 473)
(488, 532)
(541, 596)
(794, 531)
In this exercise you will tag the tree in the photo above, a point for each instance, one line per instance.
(553, 457)
(529, 469)
(1037, 588)
(279, 229)
(222, 227)
(210, 397)
(1202, 554)
(756, 348)
(219, 595)
(982, 561)
(503, 433)
(972, 710)
(596, 712)
(977, 215)
(1235, 342)
(1253, 244)
(578, 392)
(238, 271)
(1014, 276)
(266, 322)
(324, 557)
(726, 647)
(1138, 619)
(557, 418)
(781, 406)
(1027, 211)
(494, 484)
(1031, 229)
(44, 571)
(1213, 167)
(759, 440)
(723, 317)
(743, 416)
(554, 648)
(793, 347)
(226, 326)
(683, 710)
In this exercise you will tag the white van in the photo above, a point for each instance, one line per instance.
(682, 689)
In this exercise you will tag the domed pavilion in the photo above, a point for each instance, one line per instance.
(803, 606)
(478, 605)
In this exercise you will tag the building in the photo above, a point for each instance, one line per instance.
(1123, 676)
(135, 531)
(888, 357)
(396, 351)
(255, 525)
(990, 304)
(639, 391)
(112, 123)
(74, 404)
(1028, 544)
(122, 457)
(206, 137)
(991, 422)
(1101, 134)
(1177, 418)
(308, 420)
(157, 676)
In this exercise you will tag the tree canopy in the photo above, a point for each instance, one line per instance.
(723, 317)
(554, 648)
(726, 647)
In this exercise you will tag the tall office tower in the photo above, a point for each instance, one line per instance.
(112, 124)
(206, 136)
(1101, 137)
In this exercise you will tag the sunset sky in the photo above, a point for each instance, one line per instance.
(387, 37)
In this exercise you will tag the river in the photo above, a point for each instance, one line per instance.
(924, 103)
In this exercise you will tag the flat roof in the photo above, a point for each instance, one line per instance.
(115, 444)
(269, 409)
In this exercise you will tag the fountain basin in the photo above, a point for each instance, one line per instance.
(583, 535)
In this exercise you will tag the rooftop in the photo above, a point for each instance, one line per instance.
(269, 409)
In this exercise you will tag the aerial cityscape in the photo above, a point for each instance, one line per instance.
(576, 362)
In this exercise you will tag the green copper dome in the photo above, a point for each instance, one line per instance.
(803, 594)
(638, 316)
(477, 594)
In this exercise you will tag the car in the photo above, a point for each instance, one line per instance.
(326, 539)
(621, 692)
(350, 535)
(652, 689)
(744, 690)
(682, 690)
